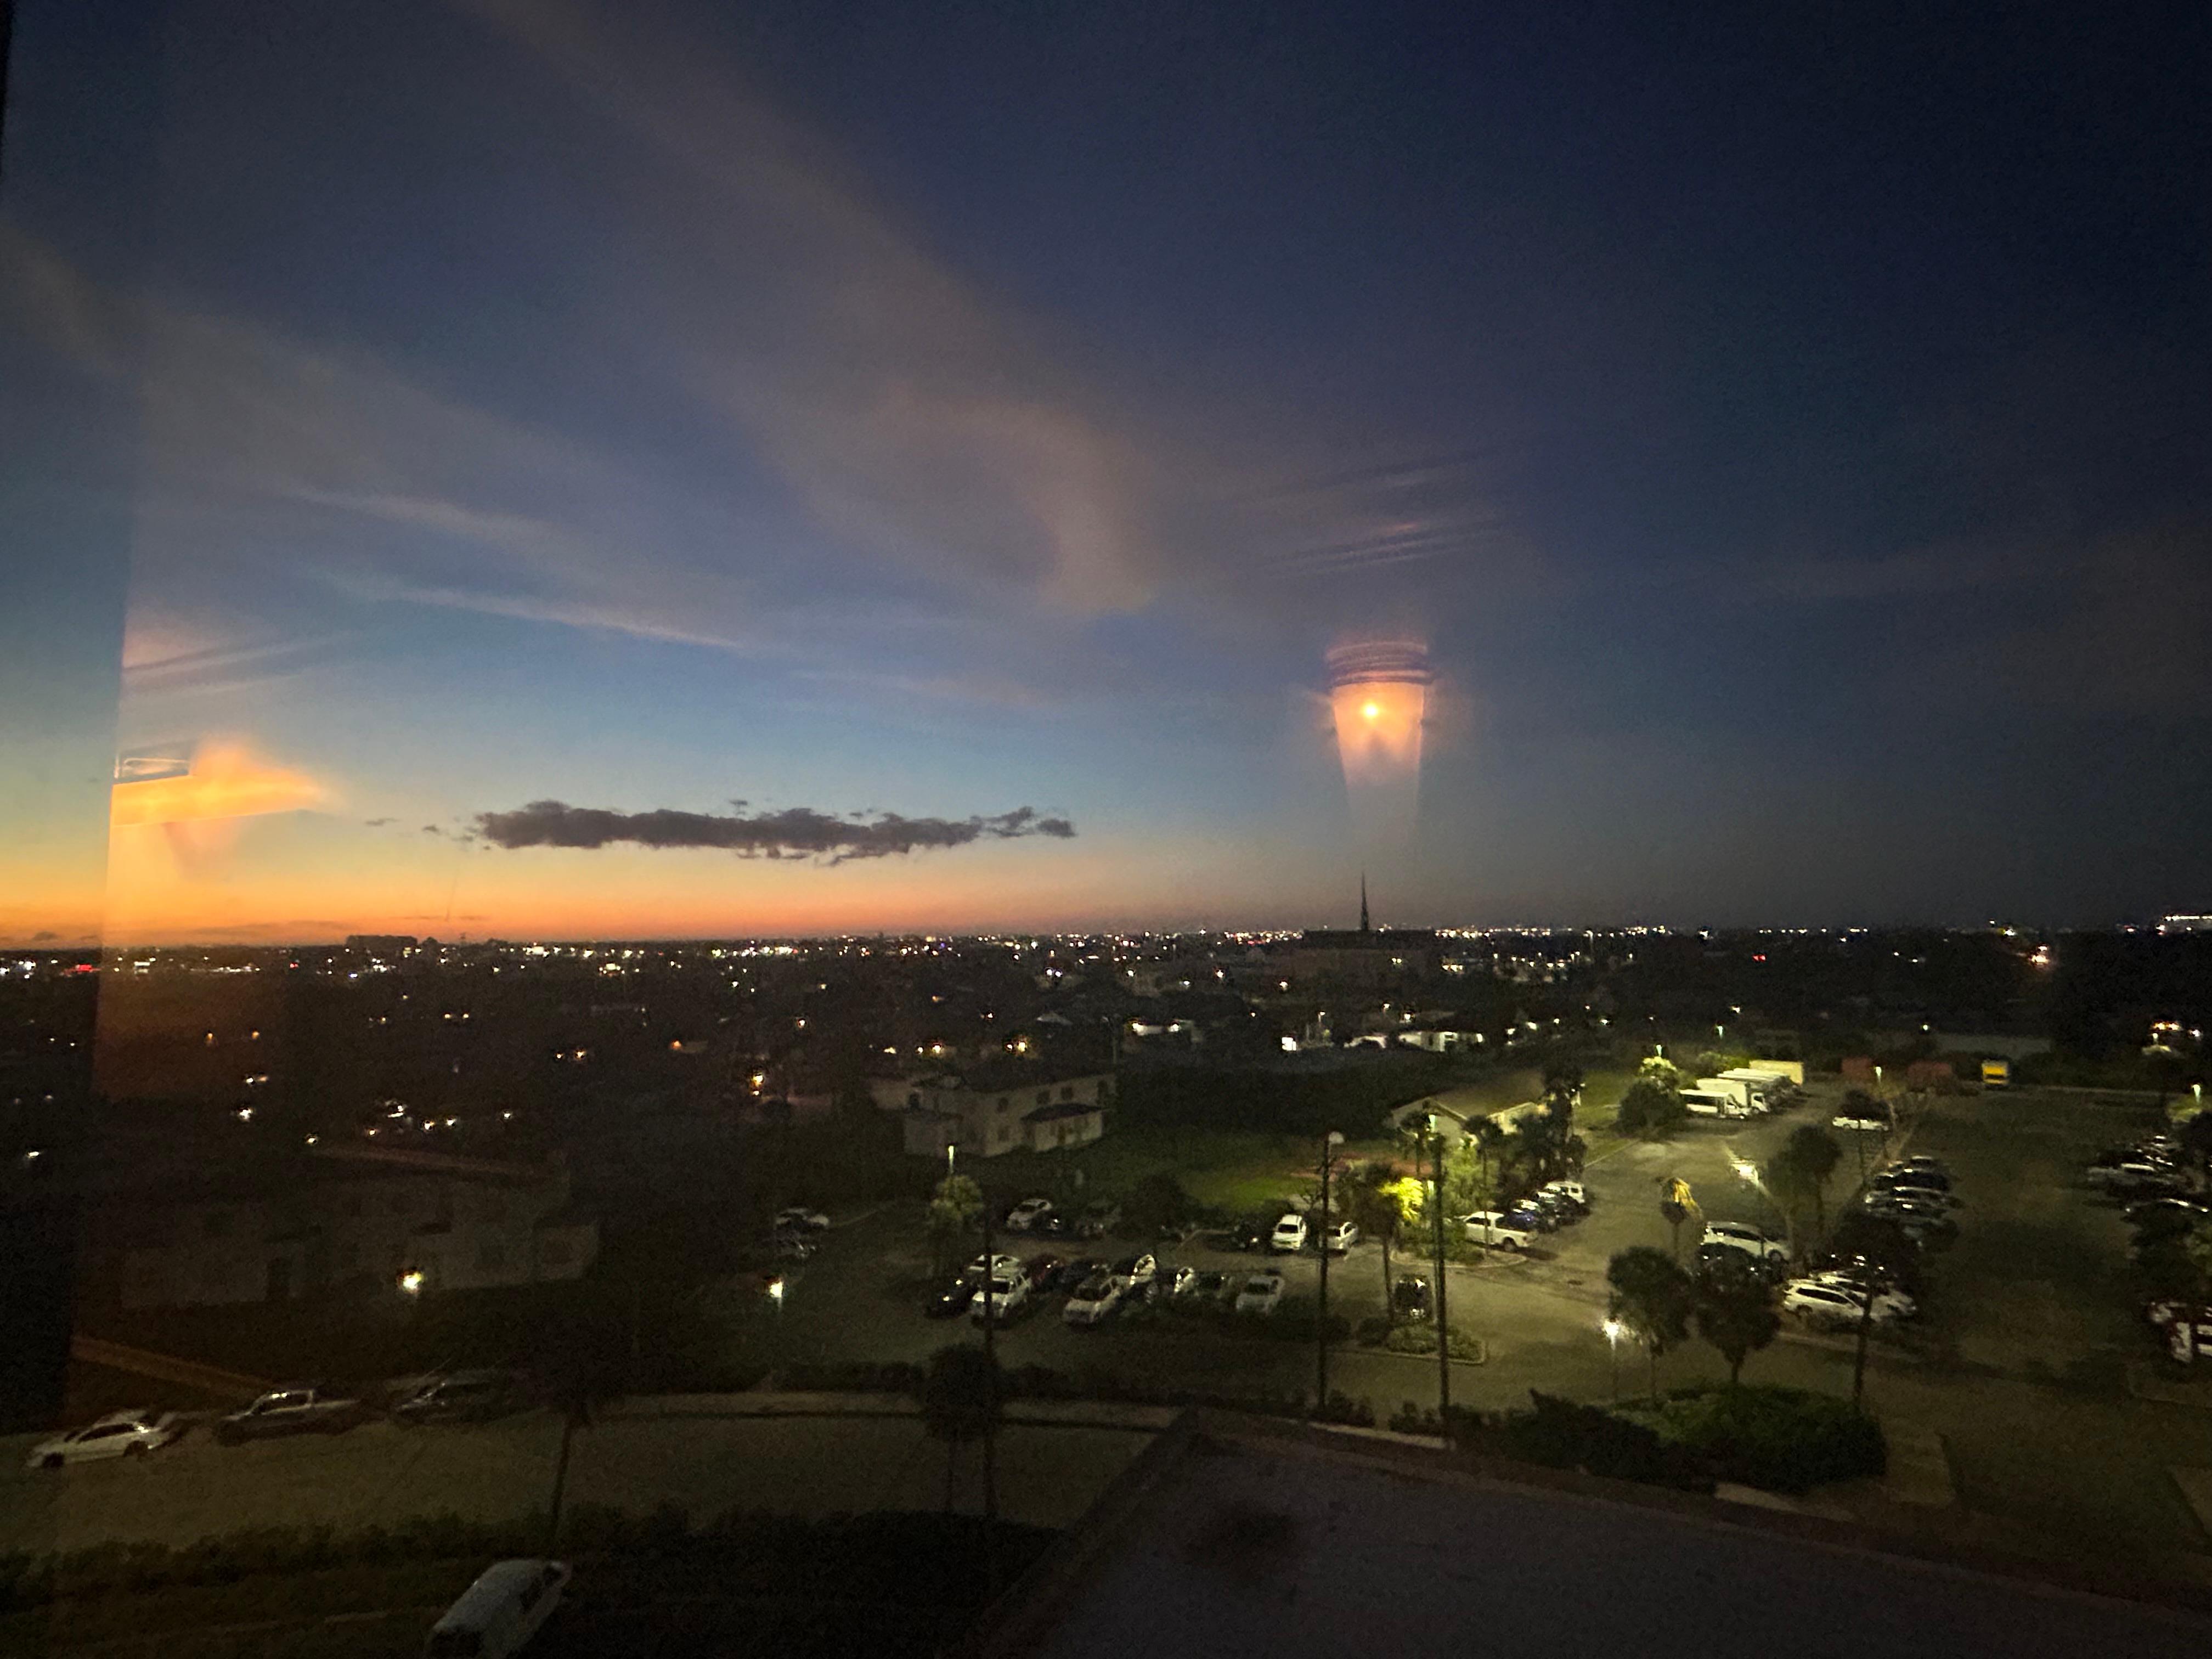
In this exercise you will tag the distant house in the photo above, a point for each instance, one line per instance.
(996, 1108)
(349, 1218)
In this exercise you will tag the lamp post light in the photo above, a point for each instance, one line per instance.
(1614, 1328)
(1330, 1142)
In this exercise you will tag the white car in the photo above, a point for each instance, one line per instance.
(1027, 1213)
(1499, 1231)
(1260, 1294)
(1009, 1296)
(499, 1613)
(1000, 1265)
(1093, 1300)
(800, 1219)
(1339, 1237)
(1853, 1287)
(1832, 1304)
(1737, 1236)
(1571, 1190)
(119, 1434)
(1290, 1234)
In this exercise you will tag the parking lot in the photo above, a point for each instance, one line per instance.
(2018, 1371)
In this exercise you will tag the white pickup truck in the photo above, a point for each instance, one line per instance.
(1498, 1231)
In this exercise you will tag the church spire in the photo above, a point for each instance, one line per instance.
(1363, 927)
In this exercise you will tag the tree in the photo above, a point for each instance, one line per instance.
(1651, 1110)
(1791, 1182)
(1653, 1297)
(581, 1366)
(1563, 1088)
(954, 1209)
(1370, 1192)
(1675, 1208)
(1816, 1152)
(1157, 1203)
(960, 1401)
(1661, 1070)
(1486, 1137)
(1736, 1312)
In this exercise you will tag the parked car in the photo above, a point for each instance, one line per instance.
(1205, 1285)
(2150, 1210)
(1054, 1225)
(1041, 1271)
(1831, 1305)
(1873, 1116)
(2124, 1169)
(1003, 1299)
(1556, 1210)
(1248, 1235)
(1172, 1283)
(459, 1397)
(498, 1615)
(1409, 1296)
(302, 1408)
(1100, 1217)
(119, 1434)
(1740, 1235)
(951, 1302)
(1261, 1294)
(1498, 1230)
(998, 1265)
(1076, 1272)
(1933, 1181)
(792, 1247)
(1855, 1285)
(1093, 1300)
(1027, 1213)
(1133, 1272)
(1924, 1161)
(1339, 1237)
(1289, 1235)
(800, 1219)
(1573, 1191)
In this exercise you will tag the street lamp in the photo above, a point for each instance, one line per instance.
(1613, 1329)
(1330, 1142)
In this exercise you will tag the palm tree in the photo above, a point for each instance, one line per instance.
(1375, 1211)
(960, 1398)
(1816, 1152)
(1652, 1297)
(1789, 1181)
(1735, 1313)
(582, 1367)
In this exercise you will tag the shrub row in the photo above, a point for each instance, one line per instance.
(902, 1556)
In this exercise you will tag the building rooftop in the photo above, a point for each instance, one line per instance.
(1230, 1536)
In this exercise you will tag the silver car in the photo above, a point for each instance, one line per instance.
(119, 1434)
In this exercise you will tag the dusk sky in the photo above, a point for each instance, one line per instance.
(1789, 430)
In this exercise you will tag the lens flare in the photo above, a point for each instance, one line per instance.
(1379, 697)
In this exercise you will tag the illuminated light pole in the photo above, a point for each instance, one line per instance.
(1613, 1329)
(1330, 1142)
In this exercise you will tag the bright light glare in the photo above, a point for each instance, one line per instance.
(411, 1282)
(1614, 1328)
(1747, 1171)
(1371, 709)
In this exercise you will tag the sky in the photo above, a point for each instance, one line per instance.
(526, 469)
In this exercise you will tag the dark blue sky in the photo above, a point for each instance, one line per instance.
(1787, 427)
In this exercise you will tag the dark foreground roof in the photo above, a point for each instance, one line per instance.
(1230, 1536)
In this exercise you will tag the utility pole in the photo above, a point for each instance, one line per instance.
(1443, 1324)
(1330, 1143)
(991, 1382)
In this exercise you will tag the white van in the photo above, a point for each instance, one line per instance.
(499, 1613)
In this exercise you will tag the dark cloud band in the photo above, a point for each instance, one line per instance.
(794, 832)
